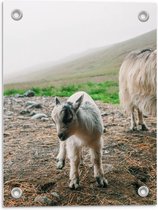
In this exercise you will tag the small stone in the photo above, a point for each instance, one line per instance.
(33, 113)
(23, 112)
(19, 96)
(28, 103)
(10, 113)
(43, 200)
(106, 151)
(38, 106)
(44, 119)
(91, 186)
(29, 93)
(38, 116)
(26, 126)
(78, 199)
(36, 154)
(55, 194)
(104, 114)
(32, 104)
(7, 117)
(21, 118)
(6, 134)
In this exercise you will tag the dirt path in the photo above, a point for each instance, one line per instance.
(30, 148)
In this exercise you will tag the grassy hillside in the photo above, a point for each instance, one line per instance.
(96, 72)
(98, 66)
(103, 91)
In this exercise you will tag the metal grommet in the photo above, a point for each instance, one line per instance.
(143, 16)
(143, 191)
(16, 192)
(16, 14)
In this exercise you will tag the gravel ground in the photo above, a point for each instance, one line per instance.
(30, 147)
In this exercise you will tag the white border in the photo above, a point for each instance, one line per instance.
(1, 162)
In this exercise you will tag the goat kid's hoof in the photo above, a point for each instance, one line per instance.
(60, 164)
(74, 184)
(101, 181)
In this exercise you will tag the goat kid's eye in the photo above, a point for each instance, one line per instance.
(69, 120)
(53, 121)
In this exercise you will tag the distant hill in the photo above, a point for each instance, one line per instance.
(96, 65)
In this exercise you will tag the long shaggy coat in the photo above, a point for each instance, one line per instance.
(137, 82)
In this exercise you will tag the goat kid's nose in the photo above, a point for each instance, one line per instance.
(61, 135)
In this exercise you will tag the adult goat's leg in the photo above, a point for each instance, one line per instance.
(141, 123)
(133, 120)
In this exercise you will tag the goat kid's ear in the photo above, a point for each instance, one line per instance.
(78, 103)
(57, 102)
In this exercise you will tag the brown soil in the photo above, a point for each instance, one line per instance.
(30, 147)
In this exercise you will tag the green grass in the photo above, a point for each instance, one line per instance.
(106, 92)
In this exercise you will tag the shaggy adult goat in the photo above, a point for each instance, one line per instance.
(137, 84)
(78, 123)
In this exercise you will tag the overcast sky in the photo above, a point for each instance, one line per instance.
(51, 31)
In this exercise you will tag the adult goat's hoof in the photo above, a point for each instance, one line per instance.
(142, 127)
(133, 128)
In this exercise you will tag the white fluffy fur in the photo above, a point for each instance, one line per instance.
(88, 132)
(137, 84)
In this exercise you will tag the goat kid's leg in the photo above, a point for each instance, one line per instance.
(96, 154)
(61, 155)
(73, 152)
(133, 121)
(141, 124)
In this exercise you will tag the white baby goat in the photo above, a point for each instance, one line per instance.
(78, 122)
